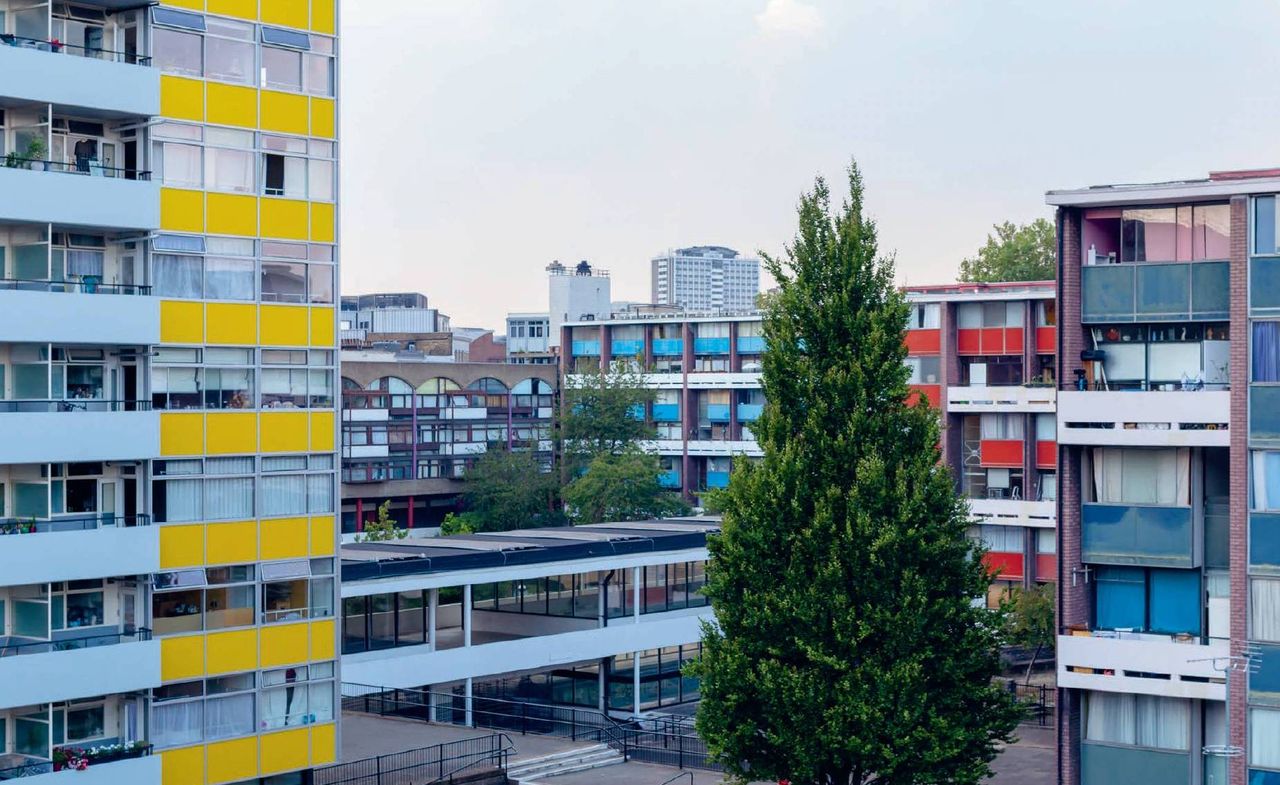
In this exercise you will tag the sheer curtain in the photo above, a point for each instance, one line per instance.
(229, 716)
(177, 276)
(175, 724)
(1109, 716)
(1264, 609)
(182, 501)
(1266, 351)
(85, 262)
(284, 495)
(1001, 426)
(1266, 480)
(1128, 476)
(1264, 729)
(228, 498)
(1163, 723)
(320, 493)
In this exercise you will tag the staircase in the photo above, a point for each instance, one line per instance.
(533, 770)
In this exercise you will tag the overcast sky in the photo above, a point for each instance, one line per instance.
(483, 138)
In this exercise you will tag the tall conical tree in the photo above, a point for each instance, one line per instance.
(847, 646)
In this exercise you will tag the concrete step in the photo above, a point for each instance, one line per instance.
(564, 754)
(526, 771)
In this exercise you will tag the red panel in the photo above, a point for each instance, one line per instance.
(992, 340)
(1046, 567)
(931, 392)
(1000, 453)
(1013, 342)
(1046, 455)
(924, 342)
(1007, 565)
(968, 341)
(1046, 340)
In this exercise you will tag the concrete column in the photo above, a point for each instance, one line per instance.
(948, 375)
(1238, 455)
(606, 347)
(471, 720)
(635, 682)
(433, 602)
(636, 578)
(466, 615)
(603, 682)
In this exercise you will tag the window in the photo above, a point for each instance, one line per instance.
(299, 695)
(1149, 600)
(1264, 609)
(1046, 541)
(228, 279)
(229, 58)
(209, 599)
(1046, 313)
(319, 74)
(281, 68)
(77, 604)
(217, 497)
(284, 282)
(924, 316)
(1137, 720)
(215, 708)
(229, 170)
(1141, 476)
(998, 539)
(1167, 234)
(924, 370)
(178, 164)
(285, 175)
(320, 180)
(176, 52)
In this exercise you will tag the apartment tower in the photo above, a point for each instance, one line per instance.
(168, 495)
(705, 278)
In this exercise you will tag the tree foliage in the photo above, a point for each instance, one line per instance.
(1031, 621)
(599, 413)
(847, 646)
(508, 490)
(1014, 253)
(622, 487)
(383, 528)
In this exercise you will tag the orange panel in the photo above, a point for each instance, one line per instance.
(992, 341)
(930, 392)
(1000, 453)
(1013, 340)
(1046, 340)
(1006, 565)
(1046, 455)
(1046, 567)
(968, 341)
(924, 342)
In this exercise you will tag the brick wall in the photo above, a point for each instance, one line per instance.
(949, 374)
(1239, 457)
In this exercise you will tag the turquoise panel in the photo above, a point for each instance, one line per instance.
(1136, 534)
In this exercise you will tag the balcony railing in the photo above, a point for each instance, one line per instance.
(1012, 398)
(1140, 534)
(71, 523)
(73, 405)
(1145, 418)
(84, 286)
(91, 754)
(73, 644)
(84, 167)
(1151, 291)
(90, 52)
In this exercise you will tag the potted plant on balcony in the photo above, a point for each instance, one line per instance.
(31, 158)
(79, 758)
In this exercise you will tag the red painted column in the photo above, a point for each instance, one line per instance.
(410, 521)
(359, 514)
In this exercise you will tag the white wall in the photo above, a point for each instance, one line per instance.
(574, 296)
(79, 673)
(69, 556)
(66, 198)
(56, 317)
(115, 89)
(64, 437)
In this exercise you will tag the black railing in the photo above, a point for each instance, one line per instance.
(1037, 702)
(73, 644)
(684, 776)
(30, 769)
(91, 52)
(87, 753)
(71, 523)
(72, 287)
(438, 764)
(86, 166)
(632, 739)
(73, 405)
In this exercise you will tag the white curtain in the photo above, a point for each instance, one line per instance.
(1128, 476)
(229, 716)
(229, 279)
(1266, 480)
(320, 493)
(284, 495)
(175, 724)
(85, 262)
(1264, 609)
(322, 702)
(177, 276)
(1264, 729)
(229, 170)
(228, 498)
(182, 500)
(1109, 716)
(182, 165)
(1163, 723)
(283, 706)
(228, 466)
(1002, 426)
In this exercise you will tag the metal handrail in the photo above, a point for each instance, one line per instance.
(74, 167)
(502, 753)
(71, 644)
(31, 405)
(684, 775)
(398, 767)
(71, 523)
(72, 287)
(56, 46)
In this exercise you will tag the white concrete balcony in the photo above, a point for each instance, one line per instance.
(366, 451)
(962, 400)
(51, 676)
(129, 771)
(1158, 418)
(1014, 512)
(706, 448)
(76, 436)
(105, 84)
(1142, 664)
(73, 199)
(696, 381)
(45, 556)
(77, 317)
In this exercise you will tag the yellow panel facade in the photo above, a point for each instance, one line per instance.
(231, 433)
(324, 18)
(323, 535)
(181, 98)
(283, 538)
(323, 122)
(284, 325)
(181, 545)
(181, 210)
(194, 5)
(181, 433)
(234, 542)
(231, 105)
(233, 760)
(322, 331)
(233, 214)
(324, 744)
(284, 219)
(322, 222)
(243, 9)
(322, 430)
(284, 644)
(284, 432)
(287, 13)
(181, 658)
(232, 651)
(284, 751)
(233, 324)
(181, 321)
(284, 112)
(182, 766)
(322, 638)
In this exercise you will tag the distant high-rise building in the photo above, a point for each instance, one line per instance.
(706, 278)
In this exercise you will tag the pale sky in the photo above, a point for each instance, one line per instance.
(483, 138)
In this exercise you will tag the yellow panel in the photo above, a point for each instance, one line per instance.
(181, 322)
(244, 9)
(322, 535)
(233, 214)
(182, 767)
(284, 751)
(290, 13)
(181, 211)
(181, 658)
(181, 98)
(181, 546)
(231, 433)
(284, 538)
(322, 640)
(284, 432)
(284, 218)
(234, 651)
(284, 644)
(284, 112)
(322, 123)
(324, 744)
(236, 759)
(322, 431)
(194, 5)
(284, 325)
(231, 543)
(233, 323)
(322, 230)
(231, 105)
(322, 327)
(181, 433)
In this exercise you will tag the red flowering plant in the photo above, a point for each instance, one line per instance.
(70, 758)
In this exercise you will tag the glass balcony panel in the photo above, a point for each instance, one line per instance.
(1164, 291)
(1137, 534)
(752, 344)
(1107, 293)
(1264, 542)
(1264, 413)
(711, 345)
(1264, 285)
(666, 412)
(586, 348)
(1264, 685)
(668, 346)
(1210, 290)
(626, 348)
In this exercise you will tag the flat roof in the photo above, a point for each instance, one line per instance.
(1218, 185)
(1004, 290)
(366, 561)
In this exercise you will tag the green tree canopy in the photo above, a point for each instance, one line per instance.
(1031, 620)
(383, 528)
(510, 490)
(1014, 253)
(600, 412)
(847, 646)
(622, 487)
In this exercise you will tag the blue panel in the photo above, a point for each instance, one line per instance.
(718, 412)
(627, 348)
(747, 412)
(1210, 290)
(1121, 598)
(666, 347)
(710, 345)
(717, 479)
(586, 349)
(1260, 777)
(1175, 601)
(1264, 413)
(636, 411)
(1264, 284)
(1107, 293)
(1164, 291)
(666, 412)
(1136, 534)
(1104, 764)
(669, 479)
(1264, 686)
(1264, 224)
(751, 344)
(1264, 542)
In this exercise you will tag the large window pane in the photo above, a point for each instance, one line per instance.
(176, 53)
(182, 165)
(281, 69)
(228, 279)
(1148, 235)
(284, 495)
(177, 276)
(319, 74)
(229, 170)
(284, 282)
(320, 180)
(229, 716)
(230, 61)
(320, 280)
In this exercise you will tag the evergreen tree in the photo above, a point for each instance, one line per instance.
(1026, 252)
(847, 646)
(382, 529)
